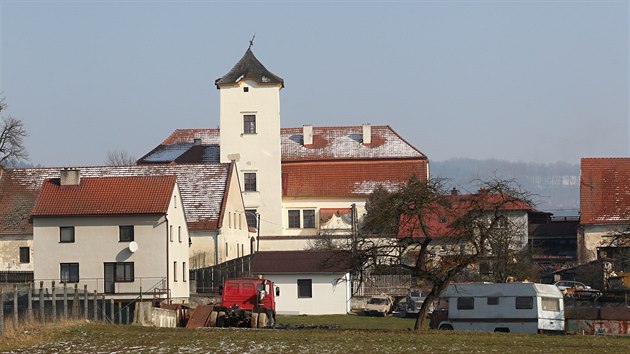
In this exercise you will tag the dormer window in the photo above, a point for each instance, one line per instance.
(249, 124)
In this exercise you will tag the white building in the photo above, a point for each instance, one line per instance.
(310, 282)
(300, 182)
(117, 235)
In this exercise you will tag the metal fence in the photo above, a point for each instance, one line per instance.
(207, 280)
(390, 284)
(16, 276)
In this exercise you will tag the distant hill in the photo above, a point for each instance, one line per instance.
(556, 186)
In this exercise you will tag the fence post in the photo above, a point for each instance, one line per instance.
(42, 319)
(65, 301)
(54, 301)
(113, 313)
(75, 302)
(29, 310)
(120, 314)
(16, 315)
(103, 315)
(1, 310)
(127, 313)
(140, 293)
(85, 302)
(95, 306)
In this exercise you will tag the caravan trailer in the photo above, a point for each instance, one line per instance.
(505, 307)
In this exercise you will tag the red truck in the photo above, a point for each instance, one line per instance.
(245, 302)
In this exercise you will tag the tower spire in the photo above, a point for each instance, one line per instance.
(251, 42)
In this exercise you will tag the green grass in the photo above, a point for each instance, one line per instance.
(348, 321)
(81, 337)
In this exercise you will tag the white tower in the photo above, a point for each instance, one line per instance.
(250, 135)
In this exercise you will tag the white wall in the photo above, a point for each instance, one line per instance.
(316, 203)
(260, 152)
(590, 237)
(331, 294)
(178, 248)
(10, 252)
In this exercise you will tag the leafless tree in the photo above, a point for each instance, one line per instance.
(434, 235)
(119, 158)
(619, 249)
(12, 134)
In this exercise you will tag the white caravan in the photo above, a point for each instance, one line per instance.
(505, 307)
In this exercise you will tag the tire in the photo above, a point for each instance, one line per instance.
(221, 319)
(253, 323)
(262, 320)
(446, 327)
(213, 319)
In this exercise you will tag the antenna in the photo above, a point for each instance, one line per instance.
(251, 42)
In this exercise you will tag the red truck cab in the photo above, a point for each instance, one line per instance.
(246, 302)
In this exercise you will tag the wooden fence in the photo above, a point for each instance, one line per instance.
(207, 280)
(390, 284)
(26, 304)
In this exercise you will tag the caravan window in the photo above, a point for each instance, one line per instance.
(465, 303)
(524, 302)
(493, 300)
(550, 304)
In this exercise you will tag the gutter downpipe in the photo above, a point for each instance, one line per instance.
(168, 284)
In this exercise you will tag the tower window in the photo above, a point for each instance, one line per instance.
(245, 89)
(249, 124)
(250, 182)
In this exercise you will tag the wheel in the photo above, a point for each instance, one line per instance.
(446, 327)
(262, 320)
(253, 323)
(213, 319)
(221, 319)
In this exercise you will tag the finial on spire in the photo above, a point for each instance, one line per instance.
(251, 42)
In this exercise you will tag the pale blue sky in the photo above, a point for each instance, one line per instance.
(516, 80)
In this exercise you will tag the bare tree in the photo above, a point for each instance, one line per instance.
(12, 134)
(119, 158)
(433, 234)
(618, 249)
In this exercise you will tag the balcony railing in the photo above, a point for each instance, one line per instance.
(144, 285)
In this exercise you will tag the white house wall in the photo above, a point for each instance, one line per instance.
(96, 242)
(10, 252)
(590, 237)
(233, 239)
(330, 294)
(202, 248)
(178, 248)
(317, 204)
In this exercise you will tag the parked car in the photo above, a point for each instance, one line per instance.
(415, 298)
(571, 288)
(379, 305)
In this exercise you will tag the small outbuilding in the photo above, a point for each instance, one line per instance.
(310, 282)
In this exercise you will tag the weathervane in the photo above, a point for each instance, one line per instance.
(251, 43)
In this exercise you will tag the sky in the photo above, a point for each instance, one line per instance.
(532, 81)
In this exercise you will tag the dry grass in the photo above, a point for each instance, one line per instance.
(82, 337)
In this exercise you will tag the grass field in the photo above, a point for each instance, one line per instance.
(81, 337)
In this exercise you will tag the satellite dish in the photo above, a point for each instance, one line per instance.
(133, 246)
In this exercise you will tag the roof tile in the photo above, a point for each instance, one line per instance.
(605, 191)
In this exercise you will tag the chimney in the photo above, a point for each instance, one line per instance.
(454, 191)
(307, 131)
(70, 177)
(367, 134)
(197, 141)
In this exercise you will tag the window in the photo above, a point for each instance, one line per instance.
(174, 201)
(25, 255)
(250, 216)
(524, 302)
(308, 219)
(230, 219)
(294, 219)
(69, 272)
(249, 124)
(66, 234)
(245, 89)
(179, 233)
(175, 271)
(465, 303)
(305, 288)
(550, 304)
(124, 272)
(170, 232)
(250, 182)
(184, 271)
(493, 300)
(240, 222)
(125, 233)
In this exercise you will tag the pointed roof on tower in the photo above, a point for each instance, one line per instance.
(249, 68)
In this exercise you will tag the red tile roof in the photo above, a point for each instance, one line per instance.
(106, 196)
(347, 178)
(16, 202)
(605, 191)
(439, 219)
(268, 262)
(202, 186)
(329, 143)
